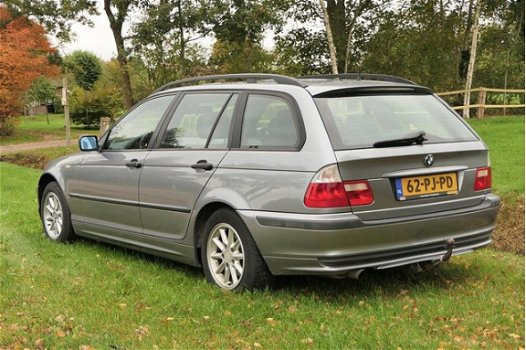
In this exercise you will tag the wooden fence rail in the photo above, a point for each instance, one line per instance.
(481, 105)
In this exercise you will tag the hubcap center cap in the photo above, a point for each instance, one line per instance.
(228, 257)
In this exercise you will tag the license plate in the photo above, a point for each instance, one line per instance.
(426, 186)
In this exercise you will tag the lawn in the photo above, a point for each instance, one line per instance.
(505, 139)
(85, 295)
(36, 128)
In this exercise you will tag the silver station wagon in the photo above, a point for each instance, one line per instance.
(255, 175)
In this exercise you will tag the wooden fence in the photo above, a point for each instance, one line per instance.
(481, 105)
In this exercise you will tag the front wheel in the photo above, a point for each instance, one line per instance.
(230, 256)
(55, 215)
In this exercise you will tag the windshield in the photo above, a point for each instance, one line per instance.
(363, 121)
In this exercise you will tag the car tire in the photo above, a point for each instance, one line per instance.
(55, 214)
(230, 256)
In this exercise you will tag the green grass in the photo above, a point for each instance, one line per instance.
(505, 139)
(66, 296)
(36, 128)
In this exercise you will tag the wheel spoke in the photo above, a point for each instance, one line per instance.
(216, 256)
(220, 268)
(226, 276)
(231, 236)
(224, 237)
(53, 203)
(236, 245)
(238, 267)
(237, 256)
(233, 273)
(50, 209)
(219, 244)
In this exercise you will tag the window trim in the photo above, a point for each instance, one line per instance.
(295, 112)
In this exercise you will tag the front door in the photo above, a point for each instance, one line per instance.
(108, 186)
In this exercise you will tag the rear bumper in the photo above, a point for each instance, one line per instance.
(336, 244)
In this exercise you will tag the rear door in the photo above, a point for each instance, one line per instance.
(188, 151)
(416, 154)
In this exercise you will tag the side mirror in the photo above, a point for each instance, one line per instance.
(88, 143)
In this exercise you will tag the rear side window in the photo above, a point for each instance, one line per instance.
(361, 121)
(269, 123)
(194, 120)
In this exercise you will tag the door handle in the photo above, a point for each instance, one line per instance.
(134, 163)
(202, 164)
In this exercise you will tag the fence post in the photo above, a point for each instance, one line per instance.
(481, 103)
(104, 125)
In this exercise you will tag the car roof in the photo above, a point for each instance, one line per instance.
(316, 85)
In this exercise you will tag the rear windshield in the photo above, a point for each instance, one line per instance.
(361, 121)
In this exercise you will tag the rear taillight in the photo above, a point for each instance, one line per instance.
(327, 190)
(482, 179)
(359, 192)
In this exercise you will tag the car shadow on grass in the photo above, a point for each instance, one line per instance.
(385, 282)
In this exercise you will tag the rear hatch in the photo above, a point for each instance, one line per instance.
(417, 155)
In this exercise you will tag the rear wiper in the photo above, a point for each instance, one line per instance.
(410, 139)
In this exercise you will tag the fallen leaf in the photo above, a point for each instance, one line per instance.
(308, 341)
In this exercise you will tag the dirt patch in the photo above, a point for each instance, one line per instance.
(35, 161)
(509, 232)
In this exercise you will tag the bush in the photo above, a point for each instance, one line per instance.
(87, 107)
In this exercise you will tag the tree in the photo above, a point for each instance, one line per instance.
(117, 11)
(103, 100)
(238, 26)
(85, 67)
(164, 41)
(42, 91)
(352, 23)
(24, 52)
(330, 39)
(55, 16)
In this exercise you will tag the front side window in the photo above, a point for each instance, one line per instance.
(193, 120)
(269, 123)
(135, 130)
(363, 121)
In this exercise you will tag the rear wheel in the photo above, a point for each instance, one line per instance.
(230, 256)
(55, 215)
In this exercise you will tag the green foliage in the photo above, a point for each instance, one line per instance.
(302, 51)
(87, 107)
(56, 16)
(85, 67)
(235, 57)
(42, 91)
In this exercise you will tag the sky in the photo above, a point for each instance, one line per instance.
(97, 39)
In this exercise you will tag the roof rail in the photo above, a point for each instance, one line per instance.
(360, 76)
(248, 77)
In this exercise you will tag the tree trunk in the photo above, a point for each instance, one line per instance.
(116, 21)
(332, 48)
(472, 55)
(338, 22)
(182, 43)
